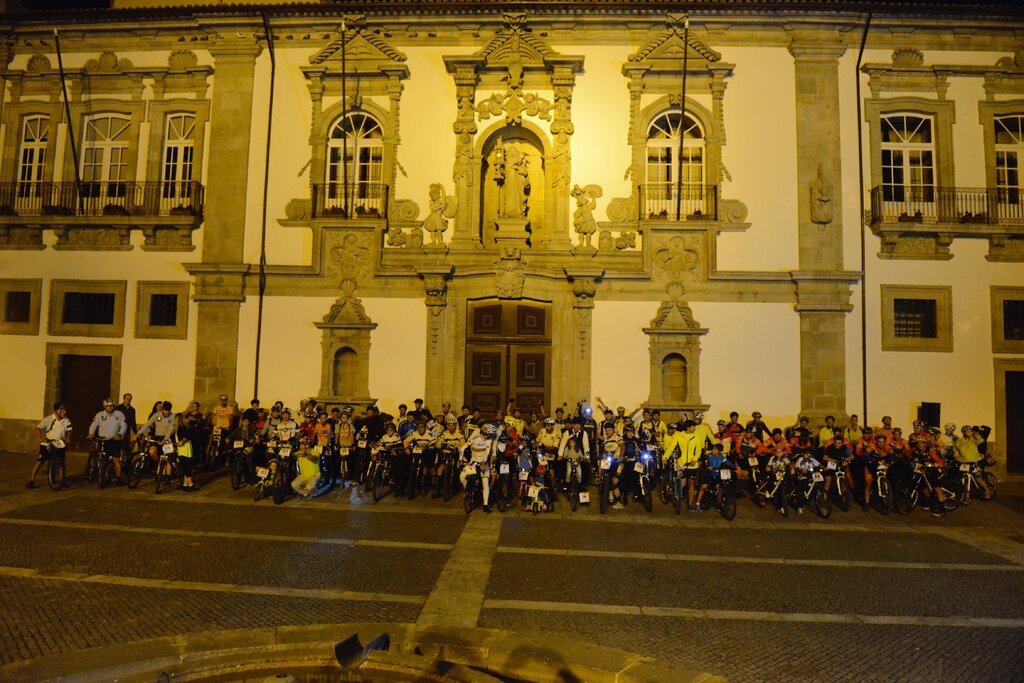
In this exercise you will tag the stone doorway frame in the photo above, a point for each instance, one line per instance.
(53, 353)
(1000, 367)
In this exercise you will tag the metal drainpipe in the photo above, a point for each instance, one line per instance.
(863, 229)
(263, 227)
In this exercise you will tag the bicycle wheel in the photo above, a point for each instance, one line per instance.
(645, 490)
(726, 500)
(990, 482)
(92, 466)
(967, 484)
(605, 488)
(779, 500)
(677, 496)
(883, 496)
(237, 473)
(261, 489)
(953, 490)
(138, 470)
(55, 473)
(822, 505)
(368, 480)
(448, 483)
(843, 496)
(504, 491)
(574, 495)
(161, 477)
(905, 501)
(379, 482)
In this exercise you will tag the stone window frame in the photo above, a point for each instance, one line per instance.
(159, 110)
(999, 294)
(943, 297)
(35, 289)
(145, 290)
(134, 110)
(14, 116)
(119, 288)
(943, 113)
(323, 123)
(987, 113)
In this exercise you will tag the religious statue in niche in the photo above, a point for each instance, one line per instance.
(512, 174)
(821, 197)
(583, 218)
(442, 208)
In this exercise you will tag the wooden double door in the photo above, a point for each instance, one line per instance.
(508, 355)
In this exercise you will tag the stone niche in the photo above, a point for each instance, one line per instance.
(675, 358)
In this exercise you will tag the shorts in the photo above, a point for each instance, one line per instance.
(690, 472)
(45, 453)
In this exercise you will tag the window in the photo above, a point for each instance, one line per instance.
(105, 158)
(908, 161)
(89, 308)
(19, 306)
(1009, 148)
(1008, 319)
(32, 160)
(355, 153)
(161, 310)
(917, 318)
(669, 169)
(179, 150)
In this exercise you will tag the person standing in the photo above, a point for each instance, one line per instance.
(53, 432)
(126, 408)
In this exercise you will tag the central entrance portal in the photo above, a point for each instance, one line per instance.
(508, 355)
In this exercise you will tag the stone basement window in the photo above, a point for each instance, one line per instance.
(87, 308)
(19, 306)
(1007, 319)
(917, 318)
(161, 310)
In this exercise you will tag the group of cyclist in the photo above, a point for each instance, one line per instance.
(579, 446)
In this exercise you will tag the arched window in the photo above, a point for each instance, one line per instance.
(344, 376)
(671, 139)
(355, 155)
(32, 157)
(179, 151)
(673, 378)
(105, 157)
(908, 162)
(1009, 136)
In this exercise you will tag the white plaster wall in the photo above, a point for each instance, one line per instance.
(760, 154)
(398, 351)
(739, 370)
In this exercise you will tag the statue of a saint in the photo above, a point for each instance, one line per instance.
(512, 173)
(821, 198)
(583, 218)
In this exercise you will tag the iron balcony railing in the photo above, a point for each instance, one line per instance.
(108, 198)
(358, 199)
(695, 202)
(925, 204)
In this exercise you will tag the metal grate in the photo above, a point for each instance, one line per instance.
(915, 318)
(163, 310)
(88, 308)
(18, 307)
(1013, 319)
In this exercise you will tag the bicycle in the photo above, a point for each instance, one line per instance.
(383, 476)
(814, 493)
(722, 493)
(164, 463)
(882, 498)
(574, 488)
(99, 465)
(839, 486)
(55, 469)
(473, 494)
(968, 473)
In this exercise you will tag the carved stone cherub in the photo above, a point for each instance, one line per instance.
(583, 218)
(442, 208)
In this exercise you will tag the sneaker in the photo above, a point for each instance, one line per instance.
(781, 511)
(799, 511)
(30, 485)
(693, 508)
(487, 509)
(617, 506)
(864, 507)
(938, 512)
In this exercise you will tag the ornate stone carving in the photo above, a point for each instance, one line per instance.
(679, 258)
(108, 62)
(907, 57)
(348, 308)
(675, 313)
(405, 210)
(348, 253)
(38, 64)
(584, 289)
(435, 286)
(821, 197)
(669, 43)
(510, 273)
(915, 246)
(180, 60)
(1002, 248)
(20, 238)
(608, 242)
(360, 44)
(90, 238)
(442, 207)
(163, 238)
(622, 209)
(583, 218)
(299, 210)
(514, 104)
(732, 211)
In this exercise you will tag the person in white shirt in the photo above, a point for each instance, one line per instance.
(479, 451)
(110, 425)
(53, 432)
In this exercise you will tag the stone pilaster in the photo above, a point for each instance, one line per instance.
(584, 289)
(822, 306)
(219, 293)
(439, 356)
(228, 167)
(562, 81)
(464, 233)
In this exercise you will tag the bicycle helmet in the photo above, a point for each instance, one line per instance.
(721, 423)
(950, 427)
(629, 428)
(488, 430)
(698, 417)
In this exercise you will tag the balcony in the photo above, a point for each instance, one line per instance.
(922, 222)
(959, 208)
(357, 200)
(100, 215)
(658, 201)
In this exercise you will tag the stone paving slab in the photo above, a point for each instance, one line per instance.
(755, 587)
(745, 542)
(234, 561)
(325, 522)
(746, 652)
(43, 617)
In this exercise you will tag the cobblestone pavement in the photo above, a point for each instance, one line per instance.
(859, 597)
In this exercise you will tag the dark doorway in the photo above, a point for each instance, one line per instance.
(508, 356)
(83, 382)
(1014, 418)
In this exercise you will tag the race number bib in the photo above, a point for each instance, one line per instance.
(584, 497)
(285, 451)
(361, 443)
(469, 470)
(752, 461)
(817, 477)
(832, 465)
(168, 448)
(524, 475)
(417, 449)
(638, 467)
(343, 450)
(58, 443)
(533, 492)
(725, 474)
(238, 444)
(503, 468)
(964, 467)
(262, 472)
(605, 464)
